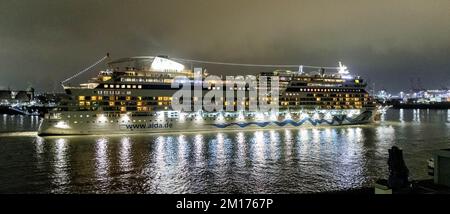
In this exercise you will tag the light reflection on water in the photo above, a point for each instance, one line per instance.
(416, 114)
(4, 120)
(448, 116)
(101, 161)
(60, 176)
(126, 162)
(401, 117)
(265, 161)
(241, 150)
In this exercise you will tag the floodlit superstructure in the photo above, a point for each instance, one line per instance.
(134, 95)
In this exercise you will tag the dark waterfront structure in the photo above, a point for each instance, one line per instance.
(442, 105)
(28, 102)
(10, 97)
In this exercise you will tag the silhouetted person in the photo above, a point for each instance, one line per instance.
(398, 172)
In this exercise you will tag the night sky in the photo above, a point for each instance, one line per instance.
(388, 42)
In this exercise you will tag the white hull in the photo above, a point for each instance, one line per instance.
(154, 124)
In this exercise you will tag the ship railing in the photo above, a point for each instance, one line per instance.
(79, 87)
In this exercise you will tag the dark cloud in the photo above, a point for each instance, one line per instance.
(388, 42)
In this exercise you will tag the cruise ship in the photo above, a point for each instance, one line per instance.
(134, 95)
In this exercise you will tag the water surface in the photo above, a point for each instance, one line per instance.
(299, 160)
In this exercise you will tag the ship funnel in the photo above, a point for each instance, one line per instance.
(300, 69)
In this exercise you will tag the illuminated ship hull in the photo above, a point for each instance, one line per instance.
(137, 98)
(195, 122)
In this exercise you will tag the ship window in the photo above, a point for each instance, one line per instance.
(123, 86)
(105, 86)
(128, 86)
(134, 86)
(111, 86)
(139, 86)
